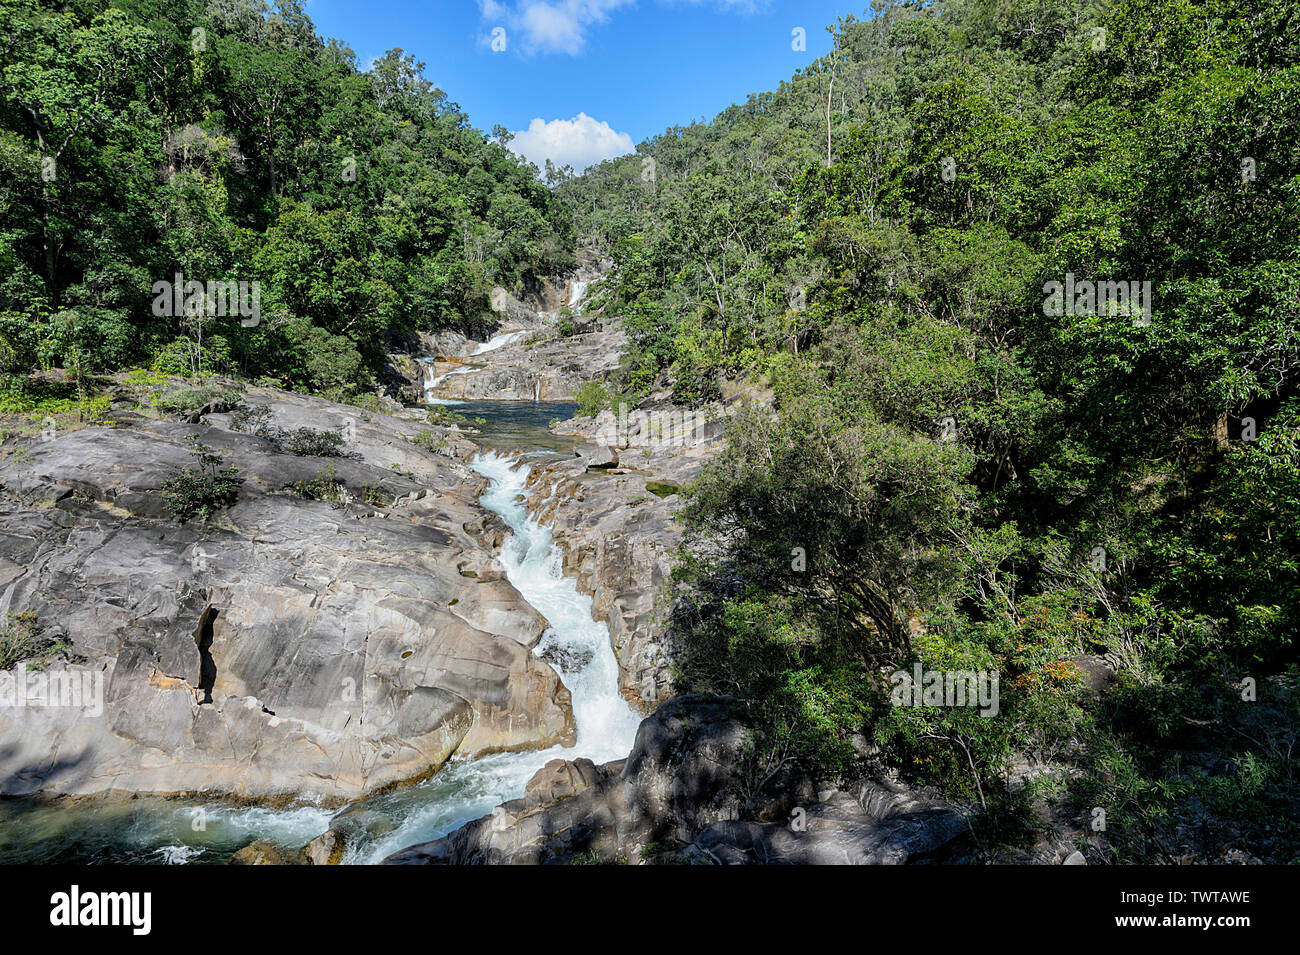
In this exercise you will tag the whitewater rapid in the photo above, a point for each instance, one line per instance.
(466, 789)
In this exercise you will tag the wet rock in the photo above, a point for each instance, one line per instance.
(325, 849)
(262, 852)
(674, 783)
(566, 659)
(560, 779)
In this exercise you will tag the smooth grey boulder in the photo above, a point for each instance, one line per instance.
(830, 836)
(287, 648)
(598, 456)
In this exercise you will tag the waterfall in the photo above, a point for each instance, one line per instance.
(499, 341)
(432, 382)
(466, 789)
(156, 829)
(576, 293)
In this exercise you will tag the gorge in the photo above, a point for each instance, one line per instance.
(379, 487)
(507, 714)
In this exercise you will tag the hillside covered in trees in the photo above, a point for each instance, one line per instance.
(990, 462)
(226, 142)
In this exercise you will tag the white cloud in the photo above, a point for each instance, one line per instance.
(548, 26)
(561, 26)
(579, 142)
(552, 27)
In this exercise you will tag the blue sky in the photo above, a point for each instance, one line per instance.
(586, 79)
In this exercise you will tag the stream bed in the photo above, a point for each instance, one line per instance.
(148, 829)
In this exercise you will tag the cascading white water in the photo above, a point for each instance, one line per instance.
(499, 341)
(466, 789)
(432, 381)
(606, 723)
(576, 293)
(287, 827)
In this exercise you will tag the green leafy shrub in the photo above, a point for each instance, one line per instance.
(445, 415)
(312, 442)
(200, 491)
(374, 495)
(188, 401)
(806, 693)
(252, 419)
(431, 441)
(22, 395)
(177, 357)
(325, 486)
(304, 442)
(565, 327)
(592, 398)
(37, 397)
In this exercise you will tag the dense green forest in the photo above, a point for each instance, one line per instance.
(968, 470)
(227, 142)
